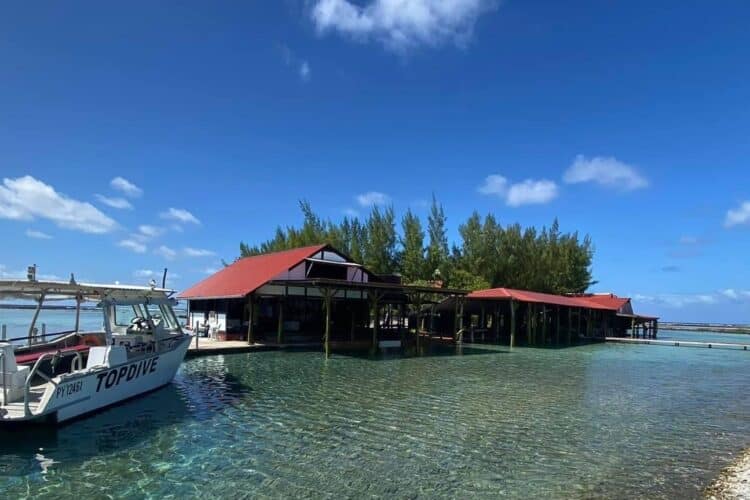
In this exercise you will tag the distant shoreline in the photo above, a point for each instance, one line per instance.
(705, 327)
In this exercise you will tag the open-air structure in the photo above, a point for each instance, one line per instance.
(317, 295)
(513, 317)
(309, 295)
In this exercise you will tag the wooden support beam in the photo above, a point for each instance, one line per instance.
(250, 312)
(528, 323)
(327, 334)
(374, 298)
(580, 313)
(557, 326)
(570, 325)
(280, 326)
(544, 325)
(459, 333)
(512, 323)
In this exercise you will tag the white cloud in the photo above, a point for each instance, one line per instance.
(401, 25)
(197, 252)
(679, 301)
(304, 71)
(31, 233)
(350, 212)
(605, 171)
(149, 231)
(210, 270)
(21, 275)
(126, 187)
(133, 245)
(531, 192)
(528, 192)
(144, 273)
(373, 198)
(495, 185)
(166, 252)
(119, 203)
(739, 215)
(27, 198)
(180, 215)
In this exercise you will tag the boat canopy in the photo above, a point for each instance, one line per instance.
(62, 290)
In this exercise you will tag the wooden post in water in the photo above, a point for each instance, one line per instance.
(544, 325)
(557, 326)
(512, 323)
(327, 334)
(280, 325)
(375, 315)
(656, 327)
(589, 325)
(459, 336)
(528, 323)
(496, 321)
(250, 334)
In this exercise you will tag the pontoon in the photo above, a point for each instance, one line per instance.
(61, 376)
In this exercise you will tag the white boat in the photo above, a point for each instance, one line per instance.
(138, 349)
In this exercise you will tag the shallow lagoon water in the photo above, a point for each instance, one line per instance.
(594, 421)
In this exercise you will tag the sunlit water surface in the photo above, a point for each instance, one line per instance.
(597, 421)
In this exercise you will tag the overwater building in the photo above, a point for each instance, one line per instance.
(318, 295)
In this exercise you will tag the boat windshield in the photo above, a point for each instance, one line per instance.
(164, 315)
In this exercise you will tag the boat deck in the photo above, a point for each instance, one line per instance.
(15, 410)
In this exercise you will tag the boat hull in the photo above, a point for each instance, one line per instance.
(77, 395)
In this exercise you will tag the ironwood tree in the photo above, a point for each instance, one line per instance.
(487, 255)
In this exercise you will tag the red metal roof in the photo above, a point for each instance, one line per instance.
(248, 274)
(612, 303)
(609, 300)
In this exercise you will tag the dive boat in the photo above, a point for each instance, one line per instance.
(138, 349)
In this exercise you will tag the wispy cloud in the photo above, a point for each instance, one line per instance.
(402, 25)
(21, 274)
(166, 252)
(678, 301)
(198, 252)
(605, 171)
(149, 231)
(27, 198)
(180, 215)
(372, 198)
(350, 212)
(133, 245)
(31, 233)
(144, 273)
(528, 192)
(119, 203)
(739, 215)
(304, 71)
(126, 187)
(670, 268)
(210, 270)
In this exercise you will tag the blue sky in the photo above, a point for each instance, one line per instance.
(143, 136)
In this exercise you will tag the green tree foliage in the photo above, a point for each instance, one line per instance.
(488, 255)
(437, 249)
(413, 264)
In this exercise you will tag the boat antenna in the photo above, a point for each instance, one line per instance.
(164, 279)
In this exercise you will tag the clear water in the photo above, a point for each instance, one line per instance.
(622, 421)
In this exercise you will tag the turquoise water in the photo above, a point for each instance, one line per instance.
(597, 421)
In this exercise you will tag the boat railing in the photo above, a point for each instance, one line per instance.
(76, 365)
(37, 337)
(5, 387)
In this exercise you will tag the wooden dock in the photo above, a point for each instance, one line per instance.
(680, 343)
